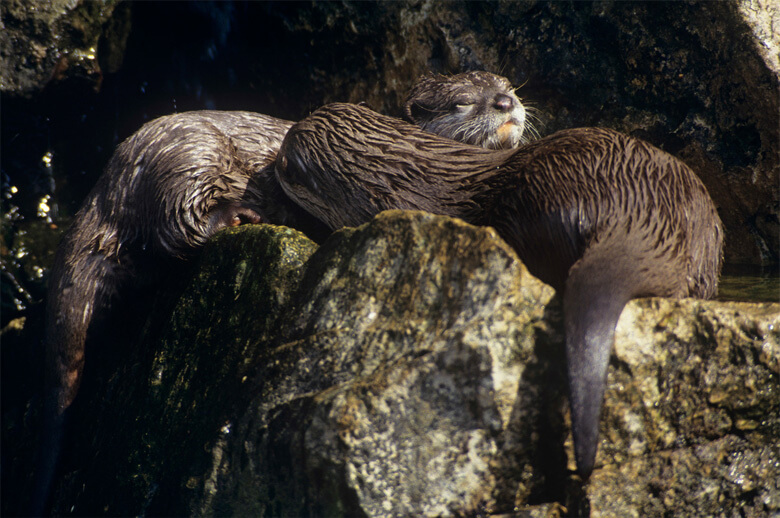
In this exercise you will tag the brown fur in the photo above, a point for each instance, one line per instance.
(179, 179)
(165, 191)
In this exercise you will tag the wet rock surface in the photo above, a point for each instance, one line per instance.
(412, 366)
(149, 428)
(691, 420)
(396, 388)
(57, 41)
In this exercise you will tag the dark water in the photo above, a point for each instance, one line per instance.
(747, 283)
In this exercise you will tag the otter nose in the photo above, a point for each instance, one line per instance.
(503, 103)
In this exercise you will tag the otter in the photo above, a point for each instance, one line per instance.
(600, 216)
(165, 191)
(476, 107)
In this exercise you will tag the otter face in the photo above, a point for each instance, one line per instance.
(477, 108)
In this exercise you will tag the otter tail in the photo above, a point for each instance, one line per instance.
(598, 287)
(81, 286)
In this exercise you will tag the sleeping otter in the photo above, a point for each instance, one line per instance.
(600, 216)
(165, 191)
(477, 108)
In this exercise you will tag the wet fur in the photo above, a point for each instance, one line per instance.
(165, 191)
(600, 216)
(172, 185)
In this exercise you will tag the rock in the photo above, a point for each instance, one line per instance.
(412, 366)
(692, 414)
(402, 385)
(763, 16)
(144, 429)
(44, 42)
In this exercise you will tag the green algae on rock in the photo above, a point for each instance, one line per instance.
(176, 394)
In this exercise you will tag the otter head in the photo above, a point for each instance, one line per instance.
(477, 108)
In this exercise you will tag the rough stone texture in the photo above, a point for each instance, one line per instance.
(44, 42)
(401, 387)
(417, 369)
(146, 427)
(763, 17)
(692, 421)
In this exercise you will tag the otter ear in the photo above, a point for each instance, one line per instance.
(415, 111)
(411, 111)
